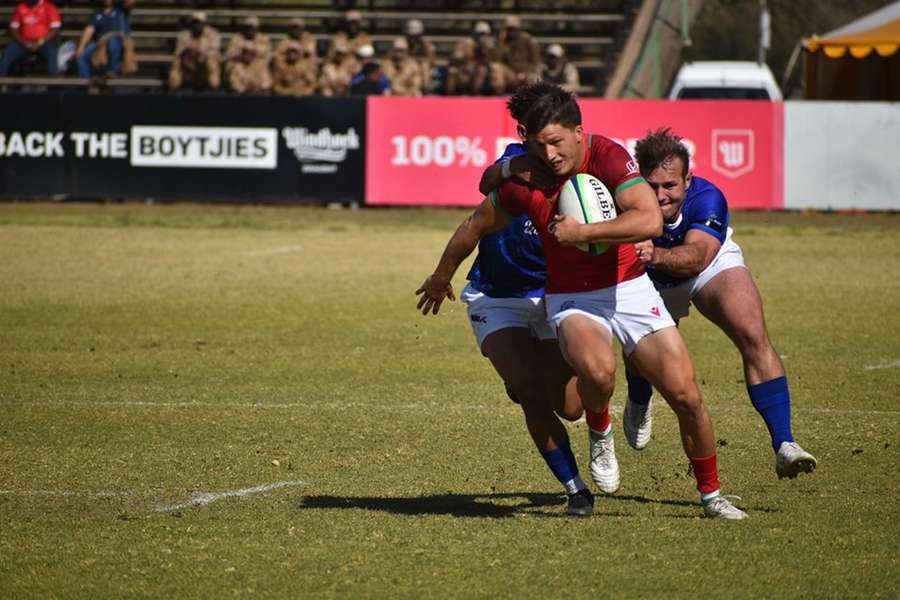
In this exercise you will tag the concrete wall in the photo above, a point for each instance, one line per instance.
(841, 155)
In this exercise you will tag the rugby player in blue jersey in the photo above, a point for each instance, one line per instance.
(504, 300)
(696, 261)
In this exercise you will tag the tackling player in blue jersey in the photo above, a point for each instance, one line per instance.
(504, 300)
(696, 261)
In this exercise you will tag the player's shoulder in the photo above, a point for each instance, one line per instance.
(704, 191)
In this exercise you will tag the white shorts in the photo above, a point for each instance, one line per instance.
(629, 310)
(487, 314)
(678, 298)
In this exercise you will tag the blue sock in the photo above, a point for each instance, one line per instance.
(772, 400)
(562, 462)
(639, 389)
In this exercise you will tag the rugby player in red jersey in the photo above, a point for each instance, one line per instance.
(590, 298)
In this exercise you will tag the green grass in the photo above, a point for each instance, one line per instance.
(151, 353)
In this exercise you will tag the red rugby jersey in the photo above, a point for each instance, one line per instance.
(568, 268)
(35, 22)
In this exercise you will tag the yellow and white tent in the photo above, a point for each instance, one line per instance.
(860, 61)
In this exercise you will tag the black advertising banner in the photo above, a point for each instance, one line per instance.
(232, 148)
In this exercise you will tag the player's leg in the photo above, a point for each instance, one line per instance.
(560, 382)
(663, 359)
(637, 418)
(587, 347)
(515, 356)
(732, 301)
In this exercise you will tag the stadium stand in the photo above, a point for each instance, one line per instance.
(591, 32)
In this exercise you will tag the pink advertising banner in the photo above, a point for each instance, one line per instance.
(432, 151)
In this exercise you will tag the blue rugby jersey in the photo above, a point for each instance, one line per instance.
(704, 208)
(510, 262)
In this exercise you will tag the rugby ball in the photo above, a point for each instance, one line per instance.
(586, 199)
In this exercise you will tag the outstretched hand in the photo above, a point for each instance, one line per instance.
(645, 251)
(432, 293)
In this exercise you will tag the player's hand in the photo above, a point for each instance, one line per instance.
(565, 229)
(645, 251)
(432, 293)
(533, 170)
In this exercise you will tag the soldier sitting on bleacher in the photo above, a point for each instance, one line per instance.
(421, 51)
(249, 35)
(337, 71)
(474, 69)
(248, 74)
(403, 72)
(105, 45)
(519, 54)
(298, 34)
(196, 65)
(556, 69)
(351, 34)
(294, 71)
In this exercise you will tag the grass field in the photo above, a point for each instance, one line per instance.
(209, 402)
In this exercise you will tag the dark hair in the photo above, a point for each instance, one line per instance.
(520, 103)
(554, 106)
(658, 148)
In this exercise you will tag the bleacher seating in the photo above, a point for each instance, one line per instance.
(592, 32)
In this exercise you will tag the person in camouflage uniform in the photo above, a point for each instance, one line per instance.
(249, 35)
(519, 54)
(556, 69)
(298, 33)
(197, 56)
(474, 67)
(338, 71)
(248, 74)
(294, 71)
(403, 71)
(351, 35)
(421, 51)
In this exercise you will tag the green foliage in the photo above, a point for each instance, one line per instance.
(153, 353)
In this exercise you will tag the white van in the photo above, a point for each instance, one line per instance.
(731, 80)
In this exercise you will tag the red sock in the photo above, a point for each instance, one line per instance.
(706, 472)
(598, 421)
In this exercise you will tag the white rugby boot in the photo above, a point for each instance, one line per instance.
(637, 423)
(604, 466)
(791, 460)
(721, 508)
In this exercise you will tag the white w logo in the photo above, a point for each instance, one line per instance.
(732, 153)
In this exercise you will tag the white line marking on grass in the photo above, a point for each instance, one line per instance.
(394, 407)
(273, 251)
(205, 498)
(886, 365)
(64, 493)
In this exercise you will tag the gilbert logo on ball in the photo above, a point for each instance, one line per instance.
(586, 199)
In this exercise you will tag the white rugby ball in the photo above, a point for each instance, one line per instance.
(586, 199)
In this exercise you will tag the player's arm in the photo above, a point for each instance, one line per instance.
(687, 260)
(639, 219)
(484, 220)
(527, 167)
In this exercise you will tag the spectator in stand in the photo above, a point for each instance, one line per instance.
(420, 50)
(351, 34)
(248, 74)
(249, 35)
(34, 26)
(403, 72)
(476, 70)
(370, 80)
(105, 45)
(294, 70)
(556, 69)
(519, 54)
(337, 71)
(196, 65)
(298, 34)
